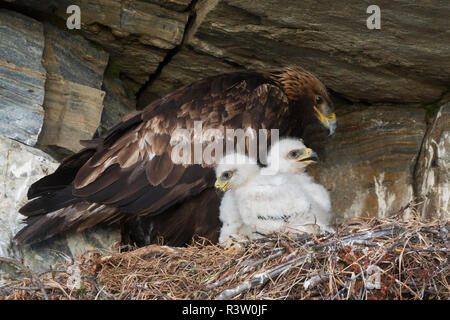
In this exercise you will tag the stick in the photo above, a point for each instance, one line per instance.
(26, 270)
(249, 267)
(259, 279)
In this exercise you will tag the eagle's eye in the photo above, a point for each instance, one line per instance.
(319, 100)
(294, 154)
(226, 175)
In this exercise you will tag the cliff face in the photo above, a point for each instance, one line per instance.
(403, 62)
(390, 86)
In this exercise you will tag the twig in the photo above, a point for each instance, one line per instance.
(259, 279)
(99, 290)
(156, 293)
(26, 270)
(250, 266)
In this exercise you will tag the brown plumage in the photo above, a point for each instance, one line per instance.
(128, 176)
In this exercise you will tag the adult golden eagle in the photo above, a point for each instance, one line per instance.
(128, 174)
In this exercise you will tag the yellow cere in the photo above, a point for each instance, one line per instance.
(308, 152)
(221, 186)
(324, 118)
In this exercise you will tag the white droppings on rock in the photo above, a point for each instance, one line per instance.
(433, 168)
(20, 166)
(384, 198)
(357, 206)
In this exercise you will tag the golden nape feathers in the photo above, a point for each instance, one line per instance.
(297, 82)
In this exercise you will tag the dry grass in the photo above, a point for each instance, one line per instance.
(411, 259)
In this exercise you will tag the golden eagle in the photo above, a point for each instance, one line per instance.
(128, 175)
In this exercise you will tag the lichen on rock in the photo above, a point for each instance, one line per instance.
(20, 166)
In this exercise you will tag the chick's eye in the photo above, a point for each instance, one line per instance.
(226, 175)
(294, 154)
(319, 100)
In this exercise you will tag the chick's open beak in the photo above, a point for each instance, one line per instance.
(329, 122)
(310, 156)
(221, 187)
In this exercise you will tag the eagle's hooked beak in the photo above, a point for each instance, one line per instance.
(329, 122)
(221, 187)
(310, 156)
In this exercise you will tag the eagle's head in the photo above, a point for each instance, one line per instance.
(234, 171)
(308, 97)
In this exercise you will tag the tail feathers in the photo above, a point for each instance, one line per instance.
(39, 228)
(76, 217)
(62, 177)
(49, 202)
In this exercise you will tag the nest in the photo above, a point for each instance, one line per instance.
(364, 259)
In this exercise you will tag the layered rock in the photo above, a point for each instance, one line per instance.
(116, 104)
(407, 60)
(368, 164)
(20, 166)
(137, 34)
(22, 77)
(73, 96)
(185, 67)
(433, 168)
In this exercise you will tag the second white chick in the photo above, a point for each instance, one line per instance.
(291, 156)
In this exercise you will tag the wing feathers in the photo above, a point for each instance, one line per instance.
(159, 169)
(129, 156)
(174, 176)
(112, 174)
